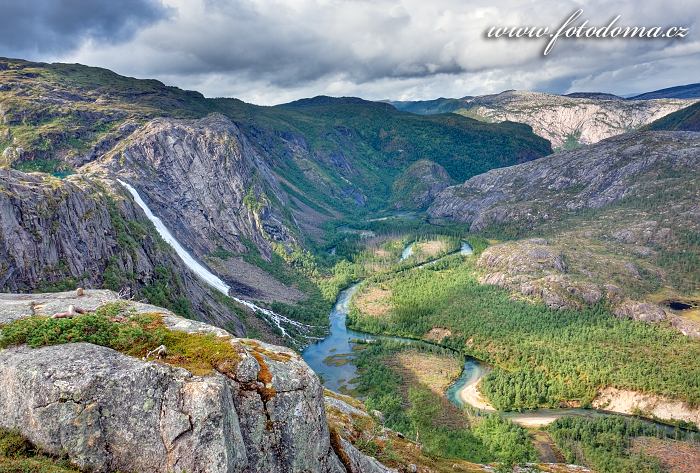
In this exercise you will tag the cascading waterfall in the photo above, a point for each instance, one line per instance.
(283, 324)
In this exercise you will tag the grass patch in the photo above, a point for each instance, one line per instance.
(17, 455)
(113, 326)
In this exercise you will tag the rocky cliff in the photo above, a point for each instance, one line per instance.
(619, 219)
(261, 409)
(206, 181)
(569, 121)
(639, 165)
(686, 119)
(57, 234)
(566, 121)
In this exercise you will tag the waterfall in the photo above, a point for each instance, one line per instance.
(197, 268)
(273, 318)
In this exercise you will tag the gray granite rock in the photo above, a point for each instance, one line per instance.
(110, 412)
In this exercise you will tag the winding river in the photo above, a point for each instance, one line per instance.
(332, 359)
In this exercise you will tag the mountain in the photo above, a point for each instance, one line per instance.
(689, 91)
(248, 191)
(566, 121)
(339, 154)
(419, 184)
(685, 119)
(593, 95)
(618, 220)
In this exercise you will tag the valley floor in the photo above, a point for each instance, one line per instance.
(540, 357)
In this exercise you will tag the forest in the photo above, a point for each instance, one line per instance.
(605, 443)
(483, 439)
(540, 356)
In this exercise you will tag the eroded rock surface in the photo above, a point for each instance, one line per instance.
(650, 405)
(110, 412)
(633, 165)
(86, 231)
(567, 120)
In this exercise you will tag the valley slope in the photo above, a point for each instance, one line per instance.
(566, 121)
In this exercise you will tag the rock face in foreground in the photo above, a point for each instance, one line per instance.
(110, 412)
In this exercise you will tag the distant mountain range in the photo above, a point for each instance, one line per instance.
(567, 121)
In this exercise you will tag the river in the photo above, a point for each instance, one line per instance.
(332, 359)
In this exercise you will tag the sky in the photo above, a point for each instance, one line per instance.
(270, 52)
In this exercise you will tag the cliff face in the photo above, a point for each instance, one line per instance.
(619, 219)
(83, 231)
(205, 181)
(635, 164)
(568, 121)
(260, 412)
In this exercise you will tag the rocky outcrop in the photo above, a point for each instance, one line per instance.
(205, 180)
(650, 405)
(569, 121)
(535, 269)
(110, 412)
(643, 311)
(419, 184)
(83, 231)
(631, 165)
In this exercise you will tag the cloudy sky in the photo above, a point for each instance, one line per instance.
(274, 51)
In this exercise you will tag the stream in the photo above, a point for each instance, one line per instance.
(332, 357)
(332, 360)
(282, 323)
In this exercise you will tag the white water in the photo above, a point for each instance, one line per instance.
(210, 278)
(189, 261)
(407, 252)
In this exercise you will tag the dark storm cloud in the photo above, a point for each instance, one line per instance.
(269, 51)
(31, 27)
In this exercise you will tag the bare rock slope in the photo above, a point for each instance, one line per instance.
(56, 234)
(568, 121)
(619, 219)
(632, 165)
(110, 412)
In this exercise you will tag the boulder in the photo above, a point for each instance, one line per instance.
(107, 411)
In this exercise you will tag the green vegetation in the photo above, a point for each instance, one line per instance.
(572, 141)
(114, 326)
(50, 166)
(164, 291)
(490, 438)
(687, 119)
(541, 356)
(603, 443)
(17, 455)
(347, 151)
